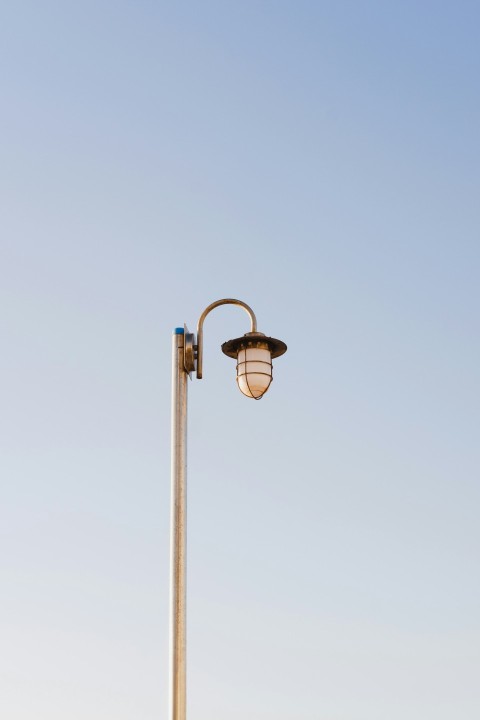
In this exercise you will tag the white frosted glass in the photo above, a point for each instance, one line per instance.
(254, 385)
(259, 354)
(254, 371)
(253, 367)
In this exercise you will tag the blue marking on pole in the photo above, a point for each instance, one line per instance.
(178, 331)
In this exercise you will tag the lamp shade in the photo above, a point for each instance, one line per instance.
(253, 353)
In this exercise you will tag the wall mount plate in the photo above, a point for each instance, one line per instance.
(189, 352)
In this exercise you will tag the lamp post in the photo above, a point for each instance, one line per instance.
(254, 353)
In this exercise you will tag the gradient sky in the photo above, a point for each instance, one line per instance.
(321, 162)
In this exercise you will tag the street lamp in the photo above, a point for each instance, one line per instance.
(254, 353)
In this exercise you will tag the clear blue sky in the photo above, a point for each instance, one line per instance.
(321, 162)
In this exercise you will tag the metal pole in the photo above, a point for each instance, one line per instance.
(177, 659)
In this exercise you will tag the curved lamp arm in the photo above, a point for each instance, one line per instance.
(226, 301)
